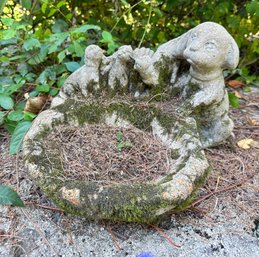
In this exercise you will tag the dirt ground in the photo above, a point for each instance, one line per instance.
(223, 220)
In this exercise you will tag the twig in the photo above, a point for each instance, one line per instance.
(251, 62)
(71, 242)
(17, 172)
(40, 232)
(128, 10)
(12, 236)
(146, 27)
(246, 127)
(114, 238)
(240, 183)
(154, 96)
(43, 206)
(170, 241)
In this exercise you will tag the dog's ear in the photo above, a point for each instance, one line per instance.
(182, 42)
(232, 56)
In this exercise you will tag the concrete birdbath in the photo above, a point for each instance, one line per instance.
(124, 138)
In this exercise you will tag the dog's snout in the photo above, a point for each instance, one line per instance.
(188, 52)
(194, 46)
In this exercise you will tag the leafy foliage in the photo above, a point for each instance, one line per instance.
(18, 134)
(43, 41)
(121, 143)
(233, 99)
(9, 197)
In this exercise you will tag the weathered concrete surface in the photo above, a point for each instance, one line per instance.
(197, 237)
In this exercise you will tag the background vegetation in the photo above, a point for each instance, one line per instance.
(43, 41)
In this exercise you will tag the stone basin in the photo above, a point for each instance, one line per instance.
(145, 202)
(176, 94)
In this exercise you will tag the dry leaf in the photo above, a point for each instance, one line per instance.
(235, 83)
(246, 143)
(35, 104)
(255, 144)
(253, 122)
(26, 96)
(237, 94)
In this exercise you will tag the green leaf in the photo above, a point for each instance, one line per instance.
(120, 136)
(112, 47)
(59, 69)
(22, 68)
(128, 144)
(56, 40)
(85, 28)
(61, 56)
(10, 126)
(33, 93)
(43, 88)
(6, 102)
(44, 50)
(61, 3)
(47, 74)
(4, 58)
(71, 48)
(106, 37)
(20, 106)
(8, 42)
(9, 197)
(253, 8)
(26, 4)
(52, 11)
(61, 80)
(15, 115)
(31, 43)
(17, 57)
(18, 79)
(53, 91)
(120, 146)
(8, 34)
(78, 49)
(1, 117)
(7, 21)
(18, 136)
(233, 100)
(69, 16)
(12, 88)
(59, 26)
(44, 7)
(72, 66)
(30, 77)
(247, 89)
(29, 116)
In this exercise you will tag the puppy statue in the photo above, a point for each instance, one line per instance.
(190, 65)
(208, 49)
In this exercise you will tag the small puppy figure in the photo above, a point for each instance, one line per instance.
(209, 49)
(84, 80)
(118, 74)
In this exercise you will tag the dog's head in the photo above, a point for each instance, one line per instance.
(210, 47)
(93, 55)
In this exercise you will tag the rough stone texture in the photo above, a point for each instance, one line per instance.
(145, 202)
(190, 67)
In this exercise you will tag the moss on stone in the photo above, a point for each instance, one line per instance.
(197, 184)
(95, 112)
(132, 203)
